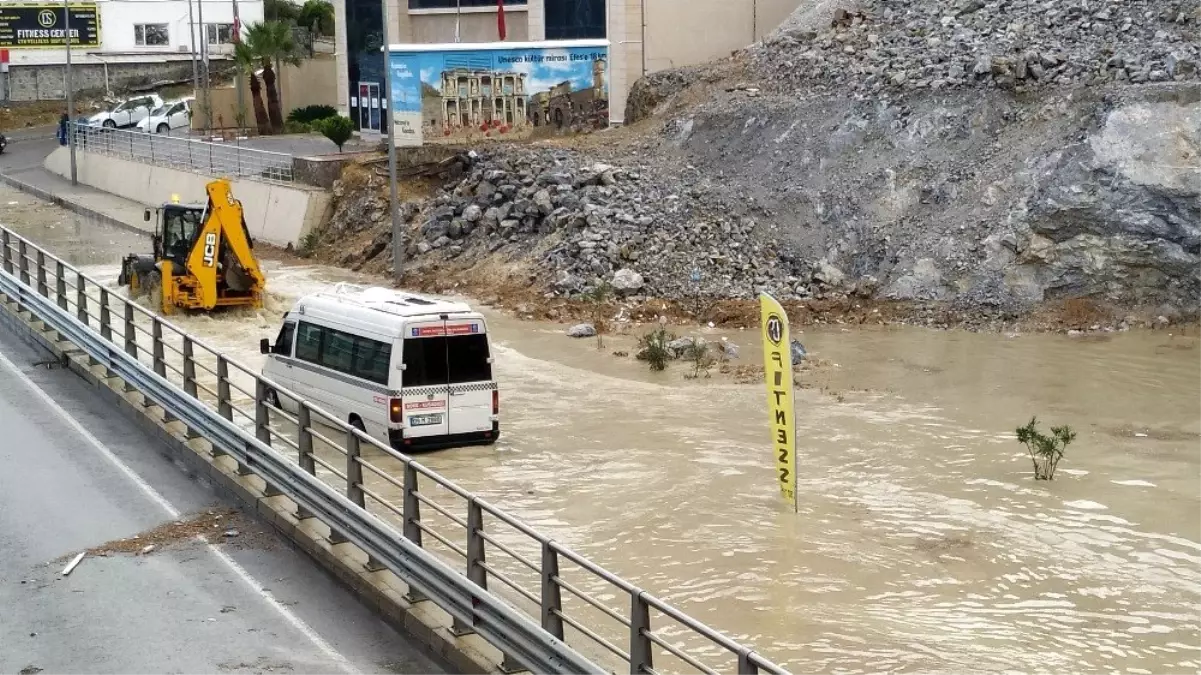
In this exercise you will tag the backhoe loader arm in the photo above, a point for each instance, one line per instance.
(223, 232)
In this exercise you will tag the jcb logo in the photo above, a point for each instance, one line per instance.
(210, 249)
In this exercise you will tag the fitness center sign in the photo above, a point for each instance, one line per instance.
(41, 26)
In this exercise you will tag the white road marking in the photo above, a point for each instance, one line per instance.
(154, 496)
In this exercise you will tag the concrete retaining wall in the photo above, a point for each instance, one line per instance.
(276, 214)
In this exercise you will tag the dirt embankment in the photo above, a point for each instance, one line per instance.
(865, 164)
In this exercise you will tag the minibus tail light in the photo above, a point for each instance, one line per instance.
(395, 414)
(495, 402)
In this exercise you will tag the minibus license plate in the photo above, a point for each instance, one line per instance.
(425, 420)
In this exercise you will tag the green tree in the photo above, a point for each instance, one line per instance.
(317, 15)
(248, 62)
(271, 43)
(338, 129)
(281, 10)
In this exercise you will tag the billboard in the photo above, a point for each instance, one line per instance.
(43, 25)
(469, 92)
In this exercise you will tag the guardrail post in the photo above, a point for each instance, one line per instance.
(131, 335)
(745, 667)
(354, 470)
(262, 414)
(475, 558)
(412, 516)
(640, 642)
(304, 444)
(42, 289)
(223, 406)
(6, 252)
(60, 284)
(81, 300)
(552, 594)
(189, 368)
(23, 261)
(106, 319)
(160, 365)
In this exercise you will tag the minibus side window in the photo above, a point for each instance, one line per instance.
(371, 359)
(337, 351)
(308, 342)
(467, 358)
(424, 361)
(283, 343)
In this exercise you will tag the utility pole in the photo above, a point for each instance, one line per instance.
(206, 100)
(69, 85)
(398, 244)
(239, 82)
(192, 41)
(458, 15)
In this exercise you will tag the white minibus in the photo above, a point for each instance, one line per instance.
(411, 370)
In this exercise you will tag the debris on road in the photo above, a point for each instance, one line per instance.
(73, 564)
(232, 533)
(147, 549)
(30, 670)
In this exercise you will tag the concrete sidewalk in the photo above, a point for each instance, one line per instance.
(81, 199)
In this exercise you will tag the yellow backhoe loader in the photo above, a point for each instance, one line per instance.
(203, 256)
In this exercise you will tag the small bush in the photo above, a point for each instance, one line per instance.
(294, 127)
(653, 349)
(308, 245)
(599, 297)
(1045, 451)
(702, 359)
(311, 113)
(337, 129)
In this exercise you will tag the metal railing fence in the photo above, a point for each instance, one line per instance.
(601, 615)
(187, 154)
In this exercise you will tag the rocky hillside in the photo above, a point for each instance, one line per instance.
(983, 156)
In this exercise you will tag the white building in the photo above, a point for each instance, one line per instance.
(139, 40)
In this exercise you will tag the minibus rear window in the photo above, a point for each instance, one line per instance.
(446, 360)
(425, 361)
(467, 358)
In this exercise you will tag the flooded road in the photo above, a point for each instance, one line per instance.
(922, 543)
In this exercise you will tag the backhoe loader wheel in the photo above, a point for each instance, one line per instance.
(136, 289)
(153, 285)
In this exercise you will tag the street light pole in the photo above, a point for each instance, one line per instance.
(69, 85)
(398, 244)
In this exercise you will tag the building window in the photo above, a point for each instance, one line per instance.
(575, 19)
(452, 4)
(220, 33)
(151, 35)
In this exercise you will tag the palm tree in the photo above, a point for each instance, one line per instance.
(271, 43)
(248, 62)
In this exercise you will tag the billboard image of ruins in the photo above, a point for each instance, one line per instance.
(473, 94)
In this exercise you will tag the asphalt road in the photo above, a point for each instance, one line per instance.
(75, 474)
(27, 148)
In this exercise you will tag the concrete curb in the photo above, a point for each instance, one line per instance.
(381, 590)
(72, 206)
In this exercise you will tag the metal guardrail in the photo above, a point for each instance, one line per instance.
(306, 455)
(188, 154)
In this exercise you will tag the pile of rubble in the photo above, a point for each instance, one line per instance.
(871, 46)
(638, 230)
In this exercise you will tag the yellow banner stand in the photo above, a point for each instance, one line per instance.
(777, 370)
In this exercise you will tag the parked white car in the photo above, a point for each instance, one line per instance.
(171, 115)
(127, 113)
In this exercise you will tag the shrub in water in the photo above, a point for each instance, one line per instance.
(1045, 451)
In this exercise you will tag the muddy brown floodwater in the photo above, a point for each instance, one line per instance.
(921, 543)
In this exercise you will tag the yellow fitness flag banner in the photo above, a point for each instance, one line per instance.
(777, 368)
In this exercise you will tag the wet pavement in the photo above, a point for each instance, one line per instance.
(250, 604)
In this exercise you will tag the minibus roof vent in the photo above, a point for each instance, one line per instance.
(390, 300)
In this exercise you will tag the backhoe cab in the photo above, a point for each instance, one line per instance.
(202, 256)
